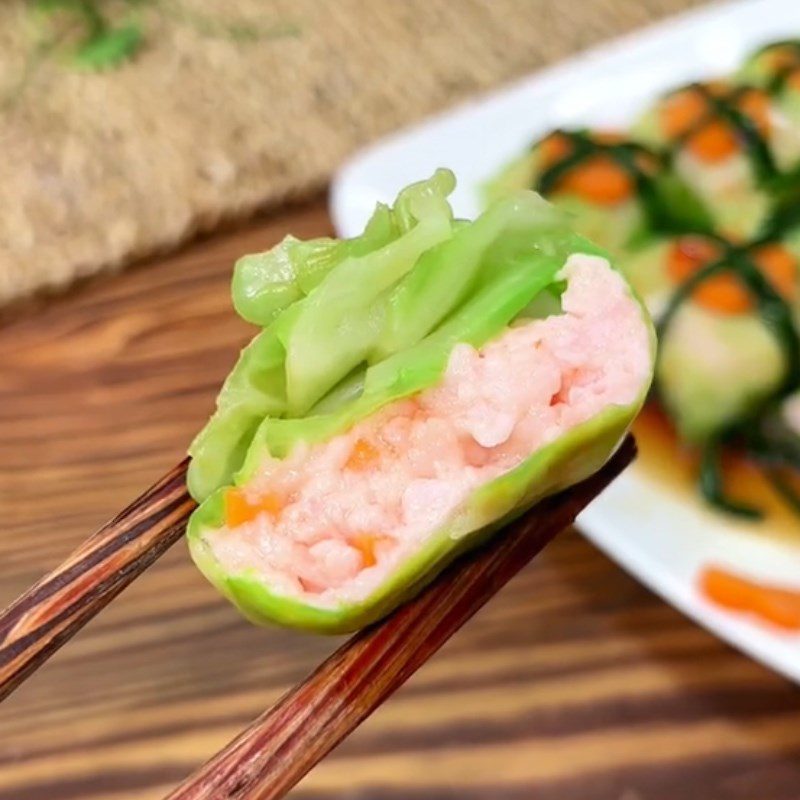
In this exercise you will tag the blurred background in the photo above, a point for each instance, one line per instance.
(130, 125)
(168, 138)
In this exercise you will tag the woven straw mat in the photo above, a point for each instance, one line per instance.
(202, 124)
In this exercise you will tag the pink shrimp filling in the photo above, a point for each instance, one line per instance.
(339, 517)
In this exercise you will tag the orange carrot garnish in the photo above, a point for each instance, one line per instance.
(554, 148)
(724, 293)
(681, 111)
(779, 267)
(755, 105)
(720, 293)
(599, 180)
(710, 138)
(780, 606)
(713, 142)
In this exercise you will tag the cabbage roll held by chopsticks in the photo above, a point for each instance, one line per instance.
(411, 391)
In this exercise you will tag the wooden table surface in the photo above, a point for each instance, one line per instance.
(574, 683)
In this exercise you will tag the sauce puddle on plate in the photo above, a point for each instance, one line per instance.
(672, 463)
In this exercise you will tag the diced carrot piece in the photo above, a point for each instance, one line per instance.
(755, 105)
(793, 81)
(725, 293)
(689, 253)
(722, 293)
(363, 455)
(554, 148)
(777, 605)
(365, 543)
(779, 267)
(272, 503)
(238, 509)
(714, 141)
(682, 111)
(599, 180)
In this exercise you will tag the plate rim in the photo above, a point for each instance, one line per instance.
(761, 643)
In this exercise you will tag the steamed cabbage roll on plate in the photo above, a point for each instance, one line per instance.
(719, 137)
(505, 362)
(616, 189)
(728, 317)
(775, 69)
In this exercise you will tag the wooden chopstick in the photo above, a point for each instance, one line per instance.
(62, 602)
(283, 744)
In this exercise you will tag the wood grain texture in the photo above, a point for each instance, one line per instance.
(269, 758)
(575, 683)
(44, 618)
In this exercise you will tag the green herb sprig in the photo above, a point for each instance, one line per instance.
(102, 40)
(100, 35)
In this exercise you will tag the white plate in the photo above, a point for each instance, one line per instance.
(659, 536)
